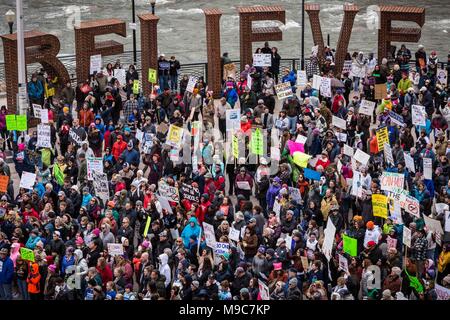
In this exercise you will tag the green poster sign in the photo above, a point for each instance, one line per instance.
(350, 246)
(136, 87)
(27, 254)
(152, 75)
(11, 122)
(257, 142)
(21, 122)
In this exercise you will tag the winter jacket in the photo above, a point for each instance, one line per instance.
(188, 231)
(7, 271)
(164, 268)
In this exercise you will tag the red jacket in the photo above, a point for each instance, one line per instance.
(118, 148)
(86, 117)
(106, 274)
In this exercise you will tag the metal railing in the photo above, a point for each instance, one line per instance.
(195, 69)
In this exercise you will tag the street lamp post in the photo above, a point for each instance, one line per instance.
(302, 58)
(153, 2)
(134, 32)
(10, 16)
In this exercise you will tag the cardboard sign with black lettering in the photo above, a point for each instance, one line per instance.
(190, 193)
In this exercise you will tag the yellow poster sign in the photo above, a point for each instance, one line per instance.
(152, 75)
(136, 87)
(382, 138)
(235, 145)
(175, 136)
(379, 205)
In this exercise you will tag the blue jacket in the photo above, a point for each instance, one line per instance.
(271, 194)
(188, 231)
(86, 199)
(131, 157)
(7, 273)
(67, 263)
(35, 89)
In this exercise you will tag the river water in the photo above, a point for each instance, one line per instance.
(182, 24)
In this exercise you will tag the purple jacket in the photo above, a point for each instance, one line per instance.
(2, 121)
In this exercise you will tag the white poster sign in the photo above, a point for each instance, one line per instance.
(343, 263)
(210, 235)
(302, 78)
(191, 84)
(115, 249)
(101, 185)
(418, 115)
(339, 122)
(348, 151)
(43, 136)
(96, 63)
(409, 162)
(428, 168)
(366, 107)
(407, 237)
(327, 246)
(361, 157)
(234, 234)
(120, 75)
(263, 290)
(284, 90)
(325, 87)
(262, 60)
(233, 119)
(388, 154)
(317, 80)
(93, 164)
(27, 180)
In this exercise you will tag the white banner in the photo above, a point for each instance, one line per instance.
(233, 119)
(27, 180)
(418, 115)
(115, 249)
(101, 185)
(339, 122)
(427, 168)
(388, 154)
(43, 136)
(120, 75)
(317, 80)
(262, 60)
(93, 164)
(366, 107)
(96, 63)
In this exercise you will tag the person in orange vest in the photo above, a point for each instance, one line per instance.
(33, 281)
(118, 147)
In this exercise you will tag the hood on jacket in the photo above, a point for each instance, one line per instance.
(34, 268)
(194, 220)
(78, 254)
(163, 258)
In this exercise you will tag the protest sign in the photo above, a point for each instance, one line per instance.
(263, 290)
(361, 157)
(210, 236)
(37, 109)
(347, 66)
(391, 242)
(442, 76)
(325, 87)
(388, 154)
(447, 221)
(175, 136)
(382, 137)
(341, 136)
(357, 188)
(120, 75)
(43, 136)
(152, 76)
(295, 194)
(339, 122)
(427, 168)
(96, 64)
(295, 146)
(301, 159)
(348, 151)
(406, 236)
(305, 263)
(4, 180)
(380, 91)
(58, 174)
(44, 116)
(233, 119)
(174, 233)
(441, 207)
(277, 208)
(379, 205)
(27, 254)
(27, 180)
(21, 122)
(74, 137)
(302, 78)
(311, 174)
(412, 206)
(396, 118)
(409, 162)
(11, 123)
(191, 84)
(442, 292)
(257, 142)
(436, 227)
(115, 249)
(171, 193)
(366, 107)
(316, 82)
(136, 87)
(190, 193)
(262, 60)
(301, 139)
(328, 241)
(249, 80)
(288, 240)
(243, 185)
(418, 115)
(350, 246)
(234, 234)
(284, 90)
(275, 153)
(343, 263)
(93, 163)
(101, 184)
(391, 180)
(164, 203)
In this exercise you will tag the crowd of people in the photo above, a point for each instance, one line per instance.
(231, 229)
